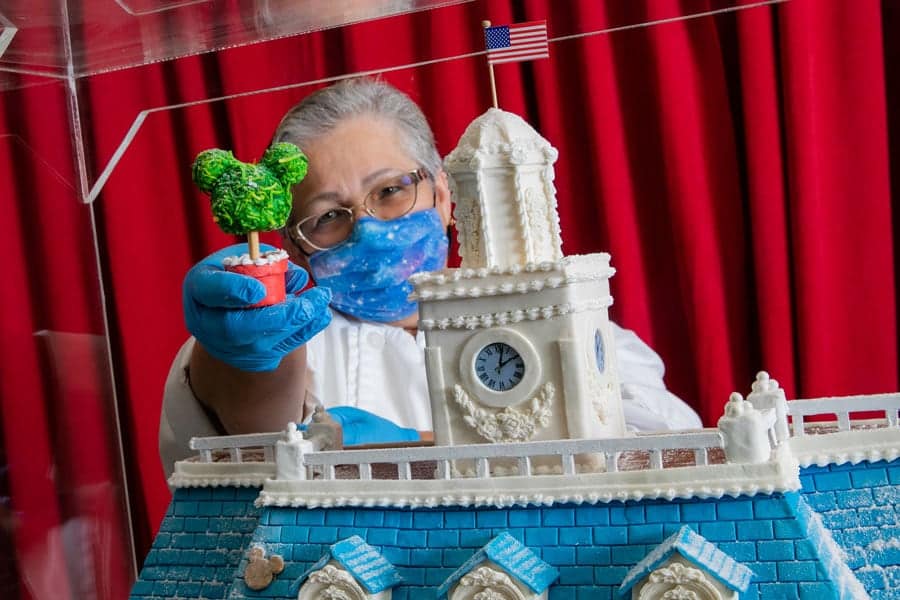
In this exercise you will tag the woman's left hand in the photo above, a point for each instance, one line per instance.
(362, 427)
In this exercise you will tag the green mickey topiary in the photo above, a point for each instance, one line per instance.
(249, 197)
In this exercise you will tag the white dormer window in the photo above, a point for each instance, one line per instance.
(489, 582)
(679, 580)
(686, 567)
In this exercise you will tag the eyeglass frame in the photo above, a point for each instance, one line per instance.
(293, 229)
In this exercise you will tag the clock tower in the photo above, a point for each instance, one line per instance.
(518, 340)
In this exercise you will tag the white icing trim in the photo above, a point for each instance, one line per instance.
(507, 287)
(846, 447)
(595, 265)
(535, 313)
(484, 215)
(526, 230)
(266, 258)
(550, 192)
(189, 473)
(177, 481)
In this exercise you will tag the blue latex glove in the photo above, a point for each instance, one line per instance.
(362, 427)
(217, 311)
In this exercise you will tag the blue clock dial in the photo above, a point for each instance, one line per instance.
(599, 352)
(499, 366)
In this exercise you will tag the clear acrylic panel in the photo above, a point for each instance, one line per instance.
(77, 39)
(104, 137)
(66, 525)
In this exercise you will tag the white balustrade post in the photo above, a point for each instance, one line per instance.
(289, 451)
(766, 395)
(745, 431)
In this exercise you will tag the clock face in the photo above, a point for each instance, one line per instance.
(499, 366)
(599, 354)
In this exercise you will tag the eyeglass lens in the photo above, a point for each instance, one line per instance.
(389, 199)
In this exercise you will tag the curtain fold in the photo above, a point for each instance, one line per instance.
(737, 167)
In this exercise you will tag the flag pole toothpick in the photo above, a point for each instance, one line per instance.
(485, 25)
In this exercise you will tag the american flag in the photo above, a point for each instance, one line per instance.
(519, 41)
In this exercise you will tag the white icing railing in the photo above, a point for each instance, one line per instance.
(839, 410)
(841, 407)
(699, 443)
(235, 445)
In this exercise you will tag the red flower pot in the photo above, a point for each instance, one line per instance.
(270, 275)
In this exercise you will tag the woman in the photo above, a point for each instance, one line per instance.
(372, 210)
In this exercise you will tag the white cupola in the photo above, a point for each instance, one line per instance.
(501, 175)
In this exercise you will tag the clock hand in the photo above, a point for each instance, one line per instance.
(503, 362)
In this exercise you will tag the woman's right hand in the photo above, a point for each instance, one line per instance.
(219, 312)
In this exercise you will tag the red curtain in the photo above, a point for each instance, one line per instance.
(737, 167)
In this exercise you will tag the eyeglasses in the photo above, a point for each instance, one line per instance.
(392, 198)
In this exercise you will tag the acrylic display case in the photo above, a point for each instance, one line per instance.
(665, 107)
(79, 503)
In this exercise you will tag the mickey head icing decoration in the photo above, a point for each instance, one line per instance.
(261, 570)
(247, 198)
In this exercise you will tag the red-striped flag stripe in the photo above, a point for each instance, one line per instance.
(527, 41)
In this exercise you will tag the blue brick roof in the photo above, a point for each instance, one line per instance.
(365, 563)
(513, 557)
(696, 549)
(864, 521)
(201, 548)
(200, 543)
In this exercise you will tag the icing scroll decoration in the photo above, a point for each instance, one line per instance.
(509, 424)
(537, 215)
(331, 583)
(468, 218)
(601, 393)
(678, 582)
(485, 583)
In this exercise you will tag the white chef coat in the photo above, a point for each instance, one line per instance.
(381, 368)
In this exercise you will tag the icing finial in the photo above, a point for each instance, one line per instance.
(744, 432)
(764, 383)
(735, 405)
(291, 432)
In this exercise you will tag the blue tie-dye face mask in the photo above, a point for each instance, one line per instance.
(367, 273)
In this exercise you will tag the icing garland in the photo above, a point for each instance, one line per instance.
(509, 424)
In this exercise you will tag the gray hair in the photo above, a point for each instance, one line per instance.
(325, 109)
